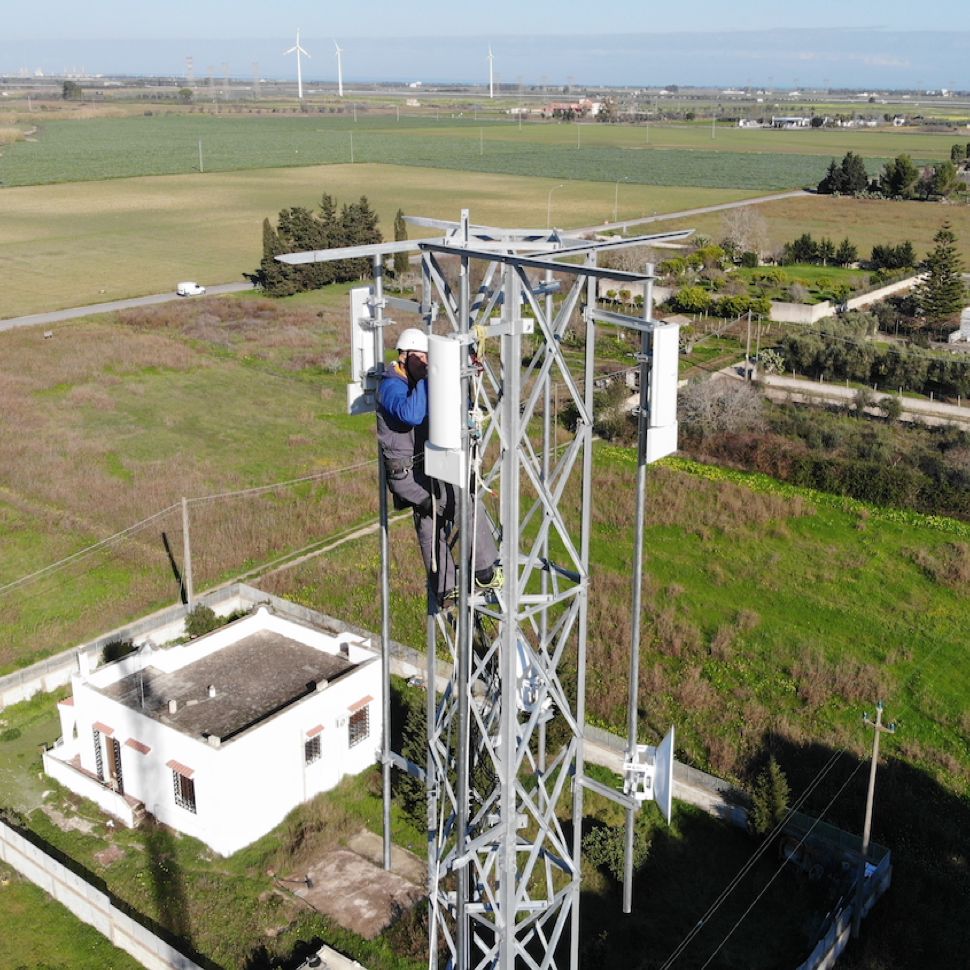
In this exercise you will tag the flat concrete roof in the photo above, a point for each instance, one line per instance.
(254, 678)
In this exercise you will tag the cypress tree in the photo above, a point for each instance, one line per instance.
(274, 277)
(769, 798)
(400, 234)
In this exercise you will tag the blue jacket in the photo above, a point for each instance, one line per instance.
(402, 418)
(401, 403)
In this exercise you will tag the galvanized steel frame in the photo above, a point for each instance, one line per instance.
(504, 877)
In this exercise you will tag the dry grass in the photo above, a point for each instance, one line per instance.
(68, 245)
(116, 421)
(948, 565)
(820, 680)
(8, 135)
(865, 222)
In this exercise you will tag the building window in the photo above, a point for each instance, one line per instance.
(358, 726)
(98, 755)
(311, 749)
(184, 792)
(115, 777)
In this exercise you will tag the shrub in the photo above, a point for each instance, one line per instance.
(691, 299)
(115, 650)
(605, 845)
(201, 620)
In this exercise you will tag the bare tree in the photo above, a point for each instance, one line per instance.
(720, 406)
(745, 230)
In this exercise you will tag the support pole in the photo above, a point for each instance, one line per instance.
(747, 351)
(584, 543)
(508, 727)
(187, 557)
(860, 895)
(385, 577)
(463, 571)
(643, 420)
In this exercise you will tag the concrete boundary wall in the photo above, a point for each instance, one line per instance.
(89, 904)
(166, 624)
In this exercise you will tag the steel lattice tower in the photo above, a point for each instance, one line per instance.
(505, 764)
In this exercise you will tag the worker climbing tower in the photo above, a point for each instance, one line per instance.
(513, 318)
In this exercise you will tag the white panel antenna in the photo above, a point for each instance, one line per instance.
(443, 454)
(361, 390)
(664, 376)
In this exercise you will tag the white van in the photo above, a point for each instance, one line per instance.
(189, 289)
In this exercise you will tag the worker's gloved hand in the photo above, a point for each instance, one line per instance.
(427, 506)
(416, 368)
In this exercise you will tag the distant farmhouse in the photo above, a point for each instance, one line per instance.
(790, 121)
(222, 736)
(581, 108)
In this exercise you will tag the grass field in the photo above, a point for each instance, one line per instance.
(40, 932)
(774, 615)
(75, 244)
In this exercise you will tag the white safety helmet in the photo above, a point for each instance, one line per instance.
(413, 339)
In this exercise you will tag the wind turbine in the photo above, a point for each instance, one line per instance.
(340, 71)
(299, 74)
(491, 76)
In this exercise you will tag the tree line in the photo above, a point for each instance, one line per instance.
(901, 177)
(839, 349)
(299, 229)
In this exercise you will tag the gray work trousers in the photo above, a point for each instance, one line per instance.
(437, 532)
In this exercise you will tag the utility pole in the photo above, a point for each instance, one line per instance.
(879, 728)
(187, 557)
(747, 352)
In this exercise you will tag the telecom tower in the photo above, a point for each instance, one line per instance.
(506, 712)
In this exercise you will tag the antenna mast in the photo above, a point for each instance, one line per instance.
(503, 866)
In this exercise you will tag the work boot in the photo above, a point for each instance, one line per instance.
(490, 578)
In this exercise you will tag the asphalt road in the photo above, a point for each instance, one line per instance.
(687, 213)
(56, 316)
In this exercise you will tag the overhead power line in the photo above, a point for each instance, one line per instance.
(780, 868)
(81, 553)
(199, 500)
(755, 856)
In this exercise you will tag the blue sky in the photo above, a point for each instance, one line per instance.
(612, 42)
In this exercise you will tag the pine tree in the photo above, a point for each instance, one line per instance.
(854, 176)
(942, 293)
(358, 223)
(846, 253)
(899, 177)
(400, 234)
(833, 181)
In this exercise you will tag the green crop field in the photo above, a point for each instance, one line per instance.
(169, 143)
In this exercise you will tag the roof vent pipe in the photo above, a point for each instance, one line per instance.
(211, 690)
(173, 706)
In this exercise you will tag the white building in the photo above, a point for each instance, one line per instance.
(222, 736)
